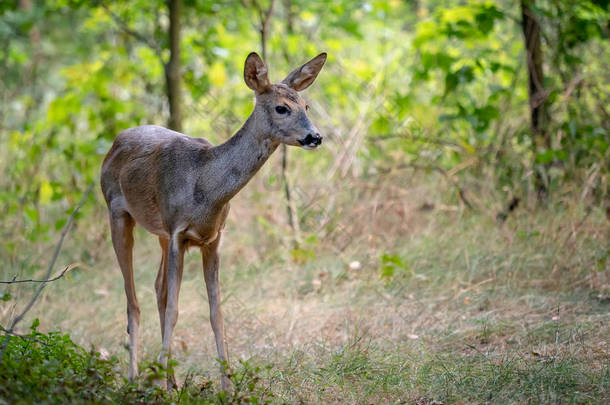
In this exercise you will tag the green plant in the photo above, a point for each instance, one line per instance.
(51, 368)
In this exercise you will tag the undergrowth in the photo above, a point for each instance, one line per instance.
(465, 310)
(49, 368)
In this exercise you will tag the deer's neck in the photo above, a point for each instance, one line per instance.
(237, 160)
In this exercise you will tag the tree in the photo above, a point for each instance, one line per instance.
(539, 114)
(172, 67)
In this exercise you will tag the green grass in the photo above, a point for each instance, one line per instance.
(365, 373)
(473, 311)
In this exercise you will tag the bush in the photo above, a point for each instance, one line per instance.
(51, 369)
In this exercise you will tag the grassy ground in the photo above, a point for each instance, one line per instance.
(417, 306)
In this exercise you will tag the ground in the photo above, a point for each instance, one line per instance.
(456, 306)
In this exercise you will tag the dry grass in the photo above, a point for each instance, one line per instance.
(477, 311)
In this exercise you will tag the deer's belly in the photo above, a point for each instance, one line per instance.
(141, 197)
(147, 216)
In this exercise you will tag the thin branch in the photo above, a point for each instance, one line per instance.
(268, 12)
(24, 337)
(436, 141)
(123, 26)
(264, 18)
(67, 269)
(30, 304)
(576, 81)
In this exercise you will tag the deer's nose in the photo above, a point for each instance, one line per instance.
(313, 139)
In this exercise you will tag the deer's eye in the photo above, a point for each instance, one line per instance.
(280, 109)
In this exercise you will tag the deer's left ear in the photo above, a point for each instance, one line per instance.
(301, 78)
(255, 73)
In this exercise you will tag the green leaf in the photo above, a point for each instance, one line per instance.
(545, 157)
(31, 214)
(217, 74)
(462, 76)
(391, 264)
(60, 223)
(387, 271)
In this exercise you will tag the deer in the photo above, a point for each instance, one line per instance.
(179, 188)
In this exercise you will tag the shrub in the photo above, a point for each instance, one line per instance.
(51, 369)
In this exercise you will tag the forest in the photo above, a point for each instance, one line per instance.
(448, 242)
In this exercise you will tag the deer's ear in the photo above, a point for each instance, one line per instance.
(301, 78)
(255, 73)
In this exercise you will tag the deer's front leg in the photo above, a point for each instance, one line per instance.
(175, 258)
(211, 263)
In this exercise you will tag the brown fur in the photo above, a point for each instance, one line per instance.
(179, 188)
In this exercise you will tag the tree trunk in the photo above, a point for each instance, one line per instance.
(537, 94)
(265, 17)
(291, 215)
(31, 74)
(290, 15)
(172, 68)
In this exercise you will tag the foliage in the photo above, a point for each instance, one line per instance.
(391, 264)
(52, 369)
(575, 31)
(443, 84)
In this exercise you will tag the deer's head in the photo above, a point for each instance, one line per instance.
(279, 106)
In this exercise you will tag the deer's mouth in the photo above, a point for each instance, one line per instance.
(311, 141)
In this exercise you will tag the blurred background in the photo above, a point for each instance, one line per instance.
(453, 225)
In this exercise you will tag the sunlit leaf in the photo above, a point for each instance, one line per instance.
(46, 192)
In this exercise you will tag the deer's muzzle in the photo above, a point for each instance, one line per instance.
(311, 141)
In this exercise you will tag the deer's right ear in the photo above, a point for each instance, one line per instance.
(255, 73)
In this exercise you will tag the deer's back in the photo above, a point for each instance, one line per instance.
(145, 165)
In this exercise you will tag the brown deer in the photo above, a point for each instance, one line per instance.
(179, 188)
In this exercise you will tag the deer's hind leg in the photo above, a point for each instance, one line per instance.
(161, 284)
(161, 290)
(173, 278)
(121, 226)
